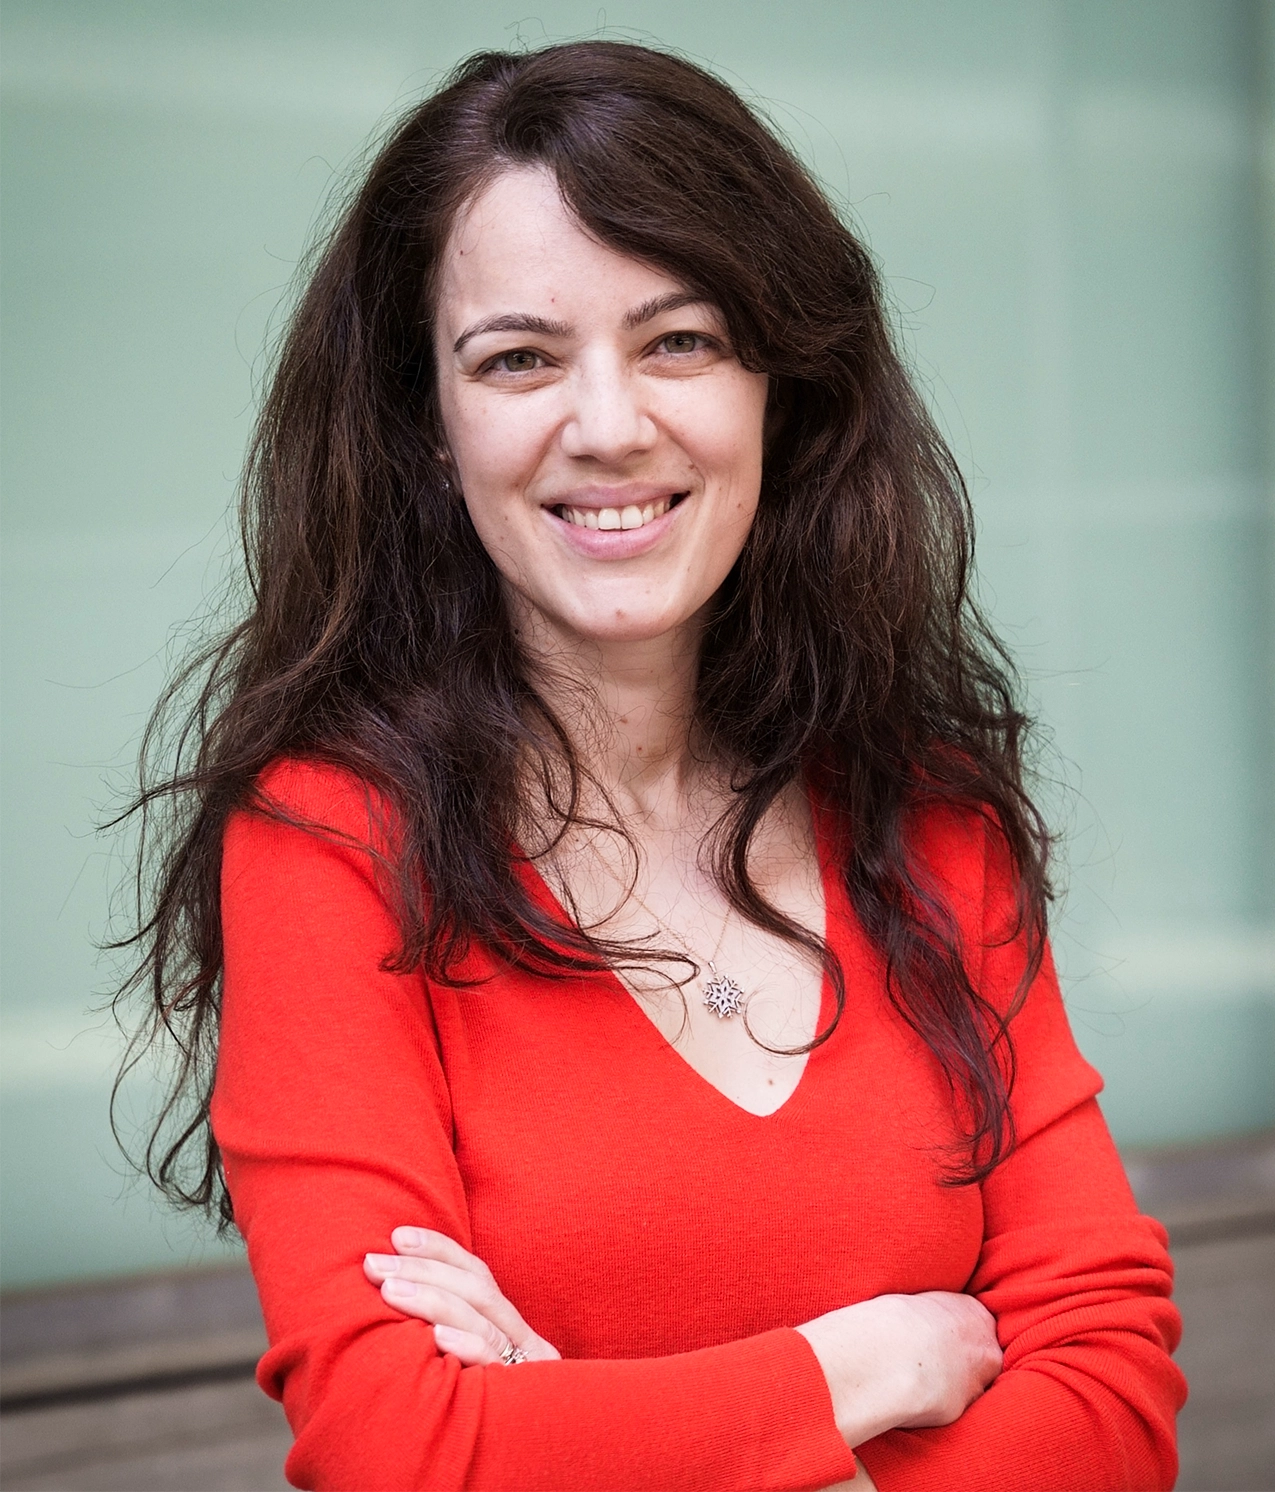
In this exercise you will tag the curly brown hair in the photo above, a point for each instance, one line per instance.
(844, 646)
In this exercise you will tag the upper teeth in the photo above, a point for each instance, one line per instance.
(628, 517)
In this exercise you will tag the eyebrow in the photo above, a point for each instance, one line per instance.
(512, 323)
(524, 322)
(657, 305)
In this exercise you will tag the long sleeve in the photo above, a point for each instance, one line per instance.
(334, 1119)
(1079, 1286)
(1078, 1281)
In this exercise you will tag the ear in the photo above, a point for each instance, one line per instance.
(437, 438)
(778, 408)
(442, 457)
(450, 480)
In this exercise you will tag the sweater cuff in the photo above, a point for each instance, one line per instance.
(753, 1414)
(798, 1440)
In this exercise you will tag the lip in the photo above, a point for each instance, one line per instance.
(615, 544)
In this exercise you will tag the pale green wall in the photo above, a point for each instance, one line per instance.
(1065, 196)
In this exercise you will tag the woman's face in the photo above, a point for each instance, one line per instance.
(606, 439)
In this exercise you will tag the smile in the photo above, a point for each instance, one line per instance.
(630, 516)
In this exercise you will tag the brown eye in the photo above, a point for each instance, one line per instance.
(681, 342)
(517, 362)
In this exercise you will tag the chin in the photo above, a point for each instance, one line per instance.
(628, 629)
(641, 624)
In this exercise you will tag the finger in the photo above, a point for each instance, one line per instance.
(440, 1308)
(424, 1243)
(473, 1351)
(474, 1287)
(479, 1291)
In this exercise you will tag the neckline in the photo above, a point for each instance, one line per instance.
(634, 1011)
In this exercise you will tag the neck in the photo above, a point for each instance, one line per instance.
(628, 707)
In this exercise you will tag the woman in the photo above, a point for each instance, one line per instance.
(639, 1062)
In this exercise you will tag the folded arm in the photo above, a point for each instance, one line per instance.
(334, 1118)
(1079, 1285)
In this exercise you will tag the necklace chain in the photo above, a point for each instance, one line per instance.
(722, 994)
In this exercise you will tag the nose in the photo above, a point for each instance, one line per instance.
(608, 420)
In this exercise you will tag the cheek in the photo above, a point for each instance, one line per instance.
(496, 446)
(723, 431)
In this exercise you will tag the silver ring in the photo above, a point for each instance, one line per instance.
(509, 1354)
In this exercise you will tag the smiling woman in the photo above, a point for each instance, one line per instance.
(602, 918)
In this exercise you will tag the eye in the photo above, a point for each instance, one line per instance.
(682, 342)
(518, 361)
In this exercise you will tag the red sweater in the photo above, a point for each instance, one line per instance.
(665, 1240)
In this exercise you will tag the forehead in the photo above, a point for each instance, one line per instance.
(517, 246)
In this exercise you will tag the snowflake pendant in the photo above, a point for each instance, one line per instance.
(723, 996)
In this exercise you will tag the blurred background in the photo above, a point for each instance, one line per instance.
(1072, 201)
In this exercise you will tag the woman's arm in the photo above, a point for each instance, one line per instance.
(333, 1116)
(890, 1361)
(1078, 1282)
(1079, 1285)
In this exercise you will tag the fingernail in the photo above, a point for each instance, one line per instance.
(386, 1263)
(399, 1287)
(407, 1238)
(447, 1337)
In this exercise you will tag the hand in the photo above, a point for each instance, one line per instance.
(904, 1361)
(432, 1277)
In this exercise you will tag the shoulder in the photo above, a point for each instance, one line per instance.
(316, 794)
(322, 799)
(304, 816)
(956, 853)
(952, 839)
(961, 853)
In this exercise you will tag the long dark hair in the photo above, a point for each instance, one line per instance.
(843, 647)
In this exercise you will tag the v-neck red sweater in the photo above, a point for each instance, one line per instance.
(664, 1239)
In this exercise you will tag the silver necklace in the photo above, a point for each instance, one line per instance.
(722, 994)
